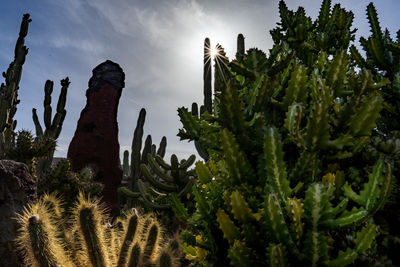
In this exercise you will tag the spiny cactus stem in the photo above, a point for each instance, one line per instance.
(90, 233)
(151, 242)
(135, 256)
(130, 235)
(40, 241)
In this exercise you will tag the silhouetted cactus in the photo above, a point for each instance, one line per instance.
(9, 90)
(53, 127)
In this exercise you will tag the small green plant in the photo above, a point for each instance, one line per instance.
(88, 239)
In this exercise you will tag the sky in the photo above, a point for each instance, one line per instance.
(159, 45)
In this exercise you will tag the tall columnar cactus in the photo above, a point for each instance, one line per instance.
(89, 239)
(9, 90)
(139, 156)
(165, 181)
(125, 165)
(53, 127)
(290, 176)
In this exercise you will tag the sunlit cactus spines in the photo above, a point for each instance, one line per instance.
(89, 238)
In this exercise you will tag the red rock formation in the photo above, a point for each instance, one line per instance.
(95, 142)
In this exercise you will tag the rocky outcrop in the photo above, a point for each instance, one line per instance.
(95, 142)
(17, 188)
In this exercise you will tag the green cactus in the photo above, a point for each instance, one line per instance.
(134, 240)
(125, 165)
(9, 90)
(164, 180)
(289, 138)
(29, 150)
(137, 155)
(60, 179)
(53, 127)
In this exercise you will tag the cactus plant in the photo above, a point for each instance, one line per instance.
(53, 127)
(164, 180)
(9, 90)
(132, 241)
(29, 150)
(289, 171)
(60, 179)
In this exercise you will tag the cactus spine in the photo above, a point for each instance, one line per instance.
(132, 241)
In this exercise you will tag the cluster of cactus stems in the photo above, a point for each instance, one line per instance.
(9, 90)
(53, 127)
(29, 150)
(155, 179)
(61, 179)
(290, 177)
(88, 238)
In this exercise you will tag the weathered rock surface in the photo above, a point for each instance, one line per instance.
(17, 188)
(95, 142)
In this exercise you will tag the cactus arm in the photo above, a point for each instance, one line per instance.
(90, 231)
(162, 163)
(178, 207)
(146, 149)
(162, 147)
(357, 57)
(58, 120)
(369, 194)
(187, 188)
(348, 218)
(136, 148)
(337, 72)
(207, 91)
(128, 192)
(157, 170)
(188, 162)
(362, 242)
(324, 13)
(297, 87)
(238, 165)
(131, 232)
(240, 254)
(48, 90)
(293, 119)
(152, 242)
(275, 166)
(295, 211)
(374, 22)
(125, 164)
(230, 230)
(203, 173)
(190, 123)
(240, 49)
(149, 177)
(135, 255)
(38, 127)
(276, 255)
(240, 208)
(276, 222)
(142, 190)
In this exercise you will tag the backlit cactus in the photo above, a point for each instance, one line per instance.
(289, 168)
(88, 238)
(53, 126)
